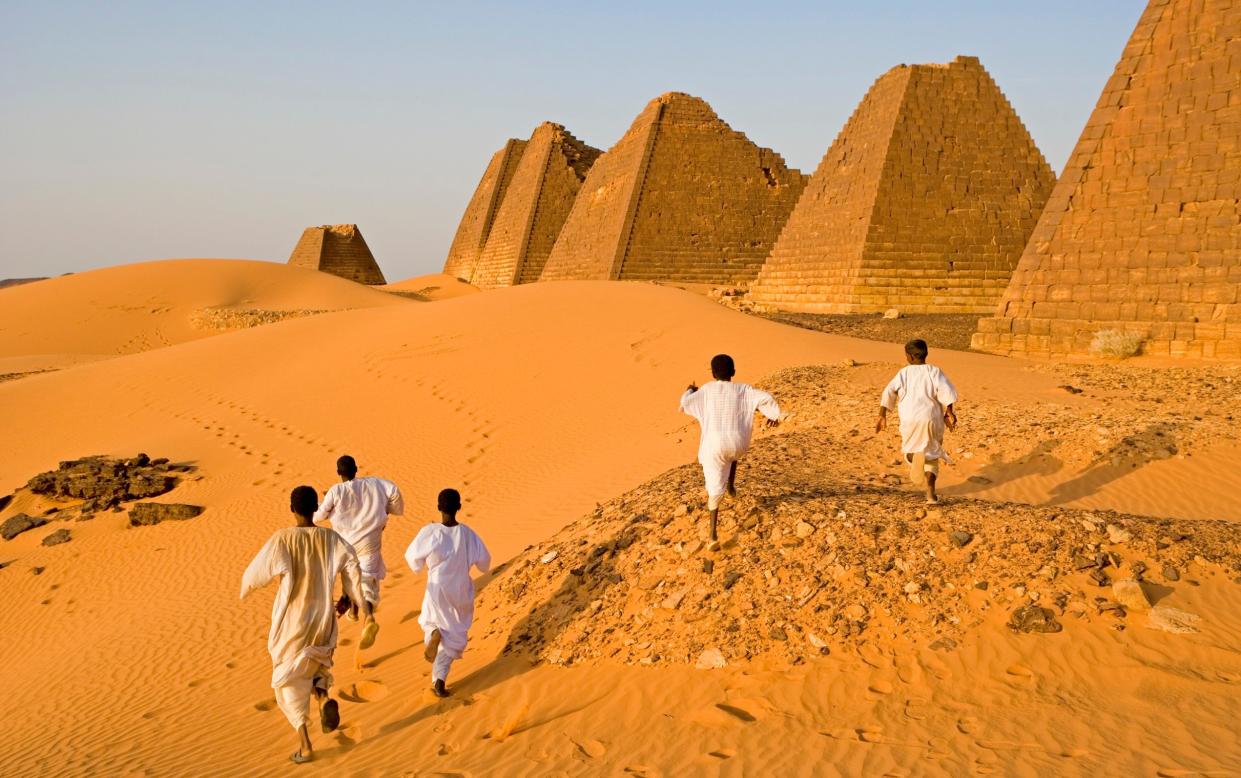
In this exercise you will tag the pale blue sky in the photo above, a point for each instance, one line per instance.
(143, 130)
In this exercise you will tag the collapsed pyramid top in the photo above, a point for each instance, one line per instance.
(338, 249)
(1143, 232)
(536, 201)
(681, 196)
(923, 202)
(475, 227)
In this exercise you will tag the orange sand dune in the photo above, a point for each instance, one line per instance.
(434, 286)
(131, 308)
(538, 402)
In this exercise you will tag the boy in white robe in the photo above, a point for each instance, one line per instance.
(307, 559)
(725, 412)
(359, 509)
(447, 551)
(923, 397)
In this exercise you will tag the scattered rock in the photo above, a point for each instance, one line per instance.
(107, 481)
(20, 523)
(1171, 573)
(57, 537)
(708, 566)
(982, 585)
(892, 313)
(943, 644)
(1178, 622)
(148, 513)
(960, 538)
(1118, 534)
(711, 659)
(548, 557)
(1033, 618)
(731, 578)
(979, 479)
(777, 633)
(37, 570)
(804, 529)
(1129, 593)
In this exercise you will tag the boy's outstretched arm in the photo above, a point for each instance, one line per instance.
(881, 423)
(950, 417)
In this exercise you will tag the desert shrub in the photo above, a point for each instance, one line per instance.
(1118, 344)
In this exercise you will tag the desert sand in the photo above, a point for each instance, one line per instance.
(553, 408)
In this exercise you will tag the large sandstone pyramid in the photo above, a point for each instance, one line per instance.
(536, 202)
(682, 197)
(1143, 232)
(923, 202)
(338, 249)
(475, 227)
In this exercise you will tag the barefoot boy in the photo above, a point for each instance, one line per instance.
(923, 397)
(725, 412)
(307, 559)
(447, 551)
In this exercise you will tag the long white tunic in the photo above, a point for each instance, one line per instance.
(920, 393)
(303, 616)
(725, 412)
(359, 511)
(447, 554)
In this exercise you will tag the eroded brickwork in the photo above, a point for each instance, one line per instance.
(1143, 231)
(923, 202)
(681, 197)
(338, 249)
(536, 203)
(476, 223)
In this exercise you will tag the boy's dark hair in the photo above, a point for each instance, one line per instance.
(917, 349)
(346, 466)
(722, 366)
(304, 501)
(449, 501)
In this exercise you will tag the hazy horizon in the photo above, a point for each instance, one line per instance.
(140, 131)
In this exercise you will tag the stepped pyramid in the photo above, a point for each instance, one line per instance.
(536, 202)
(1143, 232)
(472, 232)
(680, 197)
(338, 249)
(923, 202)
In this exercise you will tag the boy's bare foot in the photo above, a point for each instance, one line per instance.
(439, 690)
(300, 758)
(433, 646)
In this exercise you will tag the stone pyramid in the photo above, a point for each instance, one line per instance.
(338, 249)
(536, 203)
(680, 197)
(1143, 232)
(923, 202)
(475, 227)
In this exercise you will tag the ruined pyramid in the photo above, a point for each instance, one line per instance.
(680, 197)
(472, 232)
(536, 201)
(338, 249)
(923, 202)
(1143, 232)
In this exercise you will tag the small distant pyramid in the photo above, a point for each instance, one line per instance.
(681, 197)
(1143, 232)
(536, 202)
(923, 202)
(338, 249)
(475, 227)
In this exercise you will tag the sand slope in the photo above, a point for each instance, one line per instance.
(434, 286)
(538, 402)
(131, 308)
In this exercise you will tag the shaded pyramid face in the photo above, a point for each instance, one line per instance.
(338, 249)
(1143, 232)
(680, 197)
(476, 222)
(536, 203)
(923, 202)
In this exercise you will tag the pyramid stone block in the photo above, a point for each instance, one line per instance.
(1143, 232)
(923, 202)
(536, 203)
(476, 222)
(338, 249)
(680, 197)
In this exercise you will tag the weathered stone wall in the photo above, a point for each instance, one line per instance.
(1143, 231)
(681, 197)
(923, 203)
(536, 203)
(338, 249)
(476, 222)
(591, 243)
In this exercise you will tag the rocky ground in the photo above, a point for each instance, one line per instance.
(943, 331)
(234, 319)
(823, 549)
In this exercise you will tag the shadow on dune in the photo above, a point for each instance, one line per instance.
(1157, 442)
(1036, 461)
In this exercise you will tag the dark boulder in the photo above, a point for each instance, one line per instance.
(147, 513)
